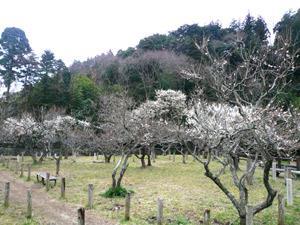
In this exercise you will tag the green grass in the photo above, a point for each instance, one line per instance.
(15, 215)
(185, 190)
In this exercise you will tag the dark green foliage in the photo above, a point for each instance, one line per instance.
(288, 31)
(83, 97)
(15, 56)
(256, 32)
(155, 63)
(111, 74)
(120, 192)
(156, 42)
(128, 52)
(53, 86)
(187, 36)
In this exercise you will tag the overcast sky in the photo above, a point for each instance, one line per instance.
(78, 29)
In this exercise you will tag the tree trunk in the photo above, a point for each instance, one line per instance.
(8, 89)
(236, 161)
(57, 165)
(183, 158)
(34, 158)
(123, 170)
(66, 154)
(279, 166)
(117, 182)
(41, 159)
(298, 163)
(149, 160)
(242, 220)
(107, 158)
(143, 161)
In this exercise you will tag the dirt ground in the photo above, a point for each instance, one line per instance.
(52, 211)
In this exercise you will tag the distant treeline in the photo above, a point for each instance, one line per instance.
(155, 63)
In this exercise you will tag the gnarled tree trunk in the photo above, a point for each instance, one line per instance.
(123, 162)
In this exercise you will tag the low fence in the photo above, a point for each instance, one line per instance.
(18, 167)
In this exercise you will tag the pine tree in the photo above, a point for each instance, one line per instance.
(14, 56)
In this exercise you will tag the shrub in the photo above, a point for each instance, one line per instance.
(116, 192)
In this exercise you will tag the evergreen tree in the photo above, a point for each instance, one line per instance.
(288, 31)
(15, 55)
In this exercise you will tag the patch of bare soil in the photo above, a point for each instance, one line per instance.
(51, 211)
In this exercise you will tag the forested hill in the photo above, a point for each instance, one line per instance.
(155, 63)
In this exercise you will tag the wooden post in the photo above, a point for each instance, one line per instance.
(57, 163)
(18, 158)
(287, 173)
(17, 168)
(206, 217)
(274, 170)
(81, 216)
(160, 215)
(95, 157)
(22, 170)
(280, 210)
(7, 163)
(63, 188)
(22, 157)
(127, 206)
(47, 181)
(29, 204)
(153, 155)
(174, 155)
(29, 173)
(289, 191)
(6, 194)
(90, 196)
(249, 215)
(183, 158)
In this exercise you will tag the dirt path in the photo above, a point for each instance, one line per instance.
(52, 211)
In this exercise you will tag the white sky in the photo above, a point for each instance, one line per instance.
(78, 29)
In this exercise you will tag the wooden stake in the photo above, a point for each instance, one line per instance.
(280, 210)
(81, 216)
(90, 196)
(206, 217)
(29, 204)
(29, 172)
(47, 181)
(160, 216)
(289, 191)
(127, 206)
(17, 168)
(6, 194)
(63, 188)
(22, 170)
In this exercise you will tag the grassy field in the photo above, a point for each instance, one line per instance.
(184, 188)
(15, 215)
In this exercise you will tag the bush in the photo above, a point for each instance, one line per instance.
(116, 192)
